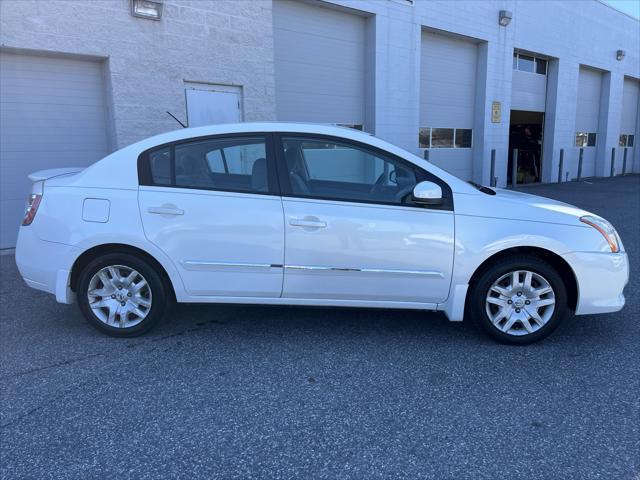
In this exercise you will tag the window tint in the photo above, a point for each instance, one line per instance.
(591, 140)
(630, 140)
(160, 165)
(541, 66)
(237, 164)
(441, 137)
(334, 170)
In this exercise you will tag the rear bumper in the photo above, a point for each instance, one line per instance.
(45, 265)
(601, 280)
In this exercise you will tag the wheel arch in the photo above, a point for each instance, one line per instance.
(88, 255)
(555, 260)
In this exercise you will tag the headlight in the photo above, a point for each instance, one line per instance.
(605, 228)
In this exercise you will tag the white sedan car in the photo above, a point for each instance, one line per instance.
(295, 214)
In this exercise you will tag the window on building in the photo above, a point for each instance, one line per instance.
(526, 63)
(529, 63)
(445, 137)
(626, 140)
(463, 138)
(585, 139)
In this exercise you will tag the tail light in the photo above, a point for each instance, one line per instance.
(33, 202)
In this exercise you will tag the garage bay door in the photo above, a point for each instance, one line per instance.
(628, 122)
(52, 114)
(447, 99)
(319, 64)
(588, 117)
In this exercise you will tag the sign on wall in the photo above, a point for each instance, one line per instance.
(496, 112)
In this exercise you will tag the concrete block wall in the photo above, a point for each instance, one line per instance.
(146, 62)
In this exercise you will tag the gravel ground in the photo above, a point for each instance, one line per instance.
(273, 392)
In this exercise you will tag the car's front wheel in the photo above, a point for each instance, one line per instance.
(122, 295)
(518, 300)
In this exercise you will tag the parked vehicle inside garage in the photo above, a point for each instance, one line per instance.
(299, 214)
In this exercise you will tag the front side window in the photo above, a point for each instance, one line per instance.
(231, 164)
(333, 170)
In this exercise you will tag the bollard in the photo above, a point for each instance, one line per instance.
(561, 166)
(492, 177)
(514, 168)
(580, 163)
(426, 155)
(624, 161)
(613, 162)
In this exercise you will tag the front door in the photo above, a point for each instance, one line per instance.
(212, 206)
(352, 232)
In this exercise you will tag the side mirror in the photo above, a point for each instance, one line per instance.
(427, 193)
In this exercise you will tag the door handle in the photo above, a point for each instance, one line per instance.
(307, 222)
(165, 210)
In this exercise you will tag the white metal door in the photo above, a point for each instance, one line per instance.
(319, 63)
(52, 113)
(447, 95)
(629, 121)
(210, 106)
(588, 114)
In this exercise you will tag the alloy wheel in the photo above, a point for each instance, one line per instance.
(520, 302)
(119, 296)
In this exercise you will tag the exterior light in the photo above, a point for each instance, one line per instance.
(619, 55)
(505, 18)
(146, 9)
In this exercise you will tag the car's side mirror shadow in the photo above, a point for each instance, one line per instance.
(427, 193)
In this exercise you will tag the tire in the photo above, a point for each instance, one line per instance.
(501, 303)
(122, 295)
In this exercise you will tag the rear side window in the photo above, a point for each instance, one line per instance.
(228, 164)
(160, 165)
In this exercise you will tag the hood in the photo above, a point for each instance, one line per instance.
(514, 205)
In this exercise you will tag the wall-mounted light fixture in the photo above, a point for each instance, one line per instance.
(146, 9)
(505, 18)
(619, 55)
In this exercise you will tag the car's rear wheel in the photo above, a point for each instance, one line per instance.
(122, 295)
(518, 300)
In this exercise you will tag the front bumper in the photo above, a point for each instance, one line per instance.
(46, 265)
(601, 280)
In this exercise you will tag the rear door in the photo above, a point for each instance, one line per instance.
(212, 205)
(352, 232)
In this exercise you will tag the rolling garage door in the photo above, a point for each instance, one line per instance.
(52, 114)
(319, 64)
(588, 117)
(629, 121)
(447, 100)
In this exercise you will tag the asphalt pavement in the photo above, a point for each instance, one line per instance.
(278, 392)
